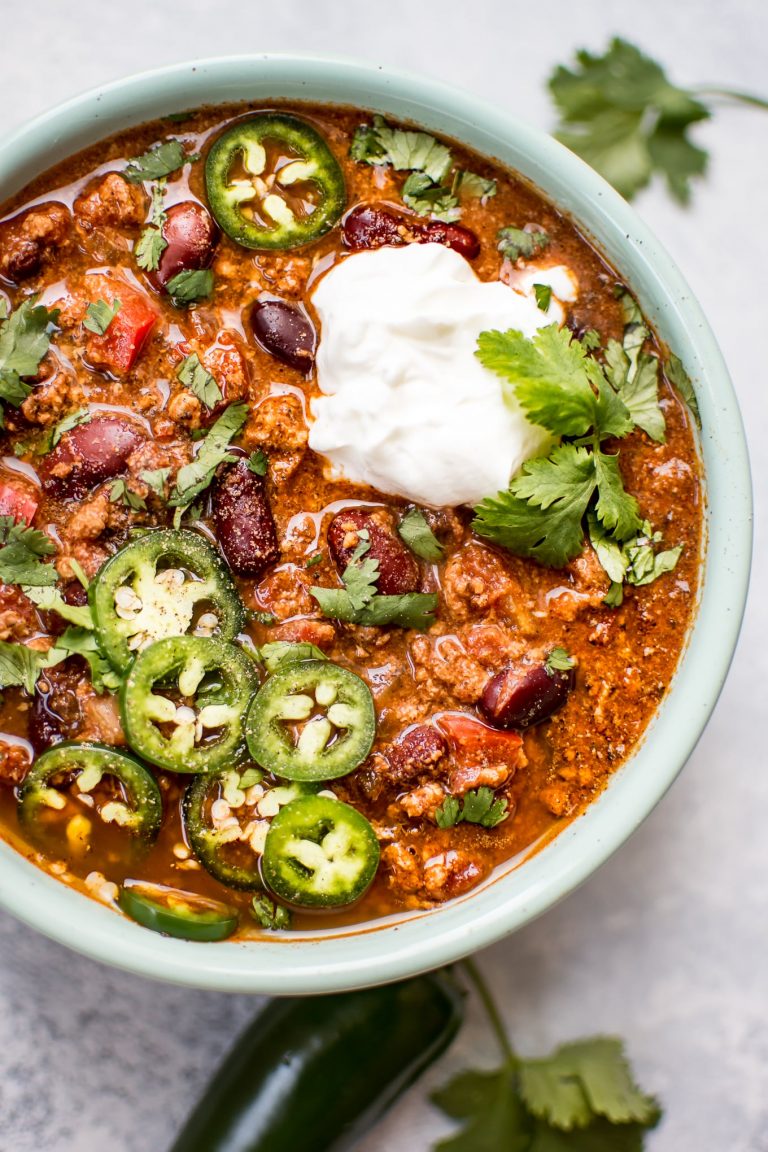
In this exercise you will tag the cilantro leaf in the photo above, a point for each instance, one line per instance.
(21, 552)
(582, 1080)
(156, 480)
(151, 244)
(488, 1102)
(559, 661)
(477, 807)
(634, 374)
(99, 315)
(190, 285)
(677, 375)
(258, 462)
(599, 1136)
(149, 248)
(270, 915)
(548, 374)
(410, 610)
(82, 642)
(521, 243)
(159, 161)
(414, 531)
(20, 666)
(120, 492)
(280, 652)
(51, 600)
(470, 186)
(616, 509)
(360, 577)
(622, 115)
(426, 198)
(404, 150)
(195, 477)
(80, 416)
(541, 514)
(194, 376)
(449, 812)
(24, 342)
(543, 294)
(633, 561)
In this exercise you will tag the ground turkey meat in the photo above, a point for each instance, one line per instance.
(111, 202)
(32, 239)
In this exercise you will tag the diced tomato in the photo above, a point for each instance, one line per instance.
(118, 349)
(17, 501)
(473, 740)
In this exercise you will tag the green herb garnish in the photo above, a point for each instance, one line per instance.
(479, 806)
(120, 493)
(21, 552)
(191, 285)
(99, 315)
(414, 531)
(194, 376)
(151, 244)
(543, 294)
(360, 603)
(520, 243)
(258, 462)
(159, 161)
(195, 477)
(24, 343)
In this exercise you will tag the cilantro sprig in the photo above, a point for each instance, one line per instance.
(563, 388)
(428, 189)
(479, 806)
(99, 315)
(581, 1098)
(620, 112)
(160, 161)
(151, 243)
(21, 554)
(24, 343)
(414, 531)
(359, 602)
(199, 381)
(195, 477)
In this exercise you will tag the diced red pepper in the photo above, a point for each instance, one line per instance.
(118, 349)
(473, 740)
(18, 502)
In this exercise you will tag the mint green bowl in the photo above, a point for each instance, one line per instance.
(387, 950)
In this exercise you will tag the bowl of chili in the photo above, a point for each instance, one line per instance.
(345, 956)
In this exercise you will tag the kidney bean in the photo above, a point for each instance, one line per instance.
(455, 236)
(415, 753)
(89, 454)
(243, 520)
(398, 569)
(285, 332)
(369, 226)
(191, 236)
(373, 226)
(525, 694)
(29, 240)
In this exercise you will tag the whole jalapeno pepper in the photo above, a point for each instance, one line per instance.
(314, 1074)
(166, 583)
(320, 853)
(184, 701)
(273, 182)
(122, 791)
(311, 720)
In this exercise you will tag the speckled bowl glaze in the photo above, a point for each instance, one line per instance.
(390, 949)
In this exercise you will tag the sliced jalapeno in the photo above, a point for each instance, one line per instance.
(96, 781)
(184, 701)
(226, 820)
(320, 853)
(273, 182)
(163, 584)
(185, 915)
(312, 720)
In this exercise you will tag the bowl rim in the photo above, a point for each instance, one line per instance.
(358, 957)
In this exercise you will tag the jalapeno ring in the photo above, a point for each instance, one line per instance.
(230, 849)
(139, 810)
(185, 915)
(311, 170)
(135, 601)
(320, 853)
(335, 709)
(213, 682)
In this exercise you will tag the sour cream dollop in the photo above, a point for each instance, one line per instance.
(407, 407)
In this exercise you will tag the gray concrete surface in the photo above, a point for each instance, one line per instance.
(667, 944)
